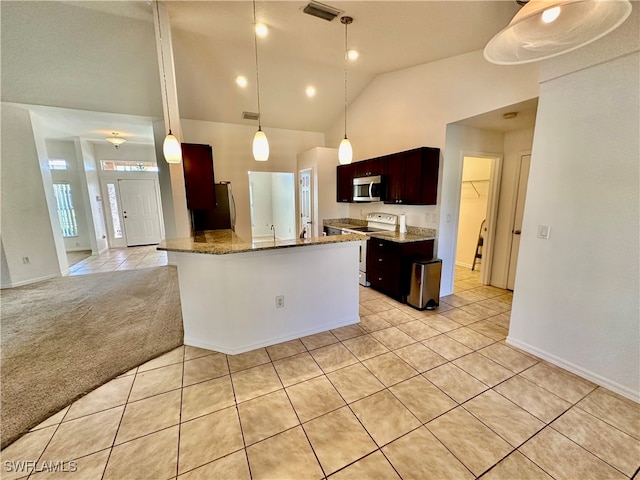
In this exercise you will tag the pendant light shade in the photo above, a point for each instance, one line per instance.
(345, 152)
(260, 142)
(546, 28)
(172, 149)
(260, 147)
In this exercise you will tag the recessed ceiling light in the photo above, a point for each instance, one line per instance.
(261, 30)
(241, 80)
(551, 14)
(352, 55)
(311, 91)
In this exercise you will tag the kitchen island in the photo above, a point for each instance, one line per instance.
(237, 296)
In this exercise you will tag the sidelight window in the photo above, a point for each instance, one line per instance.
(66, 212)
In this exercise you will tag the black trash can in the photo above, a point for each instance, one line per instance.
(424, 285)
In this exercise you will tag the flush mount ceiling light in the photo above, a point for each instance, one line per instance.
(311, 91)
(546, 28)
(116, 140)
(353, 55)
(260, 142)
(171, 147)
(241, 81)
(261, 30)
(345, 151)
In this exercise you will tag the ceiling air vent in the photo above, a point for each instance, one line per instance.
(321, 11)
(250, 116)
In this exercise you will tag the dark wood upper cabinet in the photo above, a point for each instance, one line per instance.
(197, 163)
(369, 168)
(412, 176)
(344, 185)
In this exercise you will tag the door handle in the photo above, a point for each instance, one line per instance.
(517, 232)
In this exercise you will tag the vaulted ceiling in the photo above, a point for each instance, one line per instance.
(100, 56)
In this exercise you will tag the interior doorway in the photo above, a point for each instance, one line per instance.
(273, 206)
(477, 213)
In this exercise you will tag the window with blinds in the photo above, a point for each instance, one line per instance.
(66, 212)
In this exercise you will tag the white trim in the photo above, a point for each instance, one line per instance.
(192, 342)
(34, 280)
(578, 370)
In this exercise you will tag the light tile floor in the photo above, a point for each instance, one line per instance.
(405, 394)
(127, 258)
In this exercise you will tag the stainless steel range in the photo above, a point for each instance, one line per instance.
(376, 223)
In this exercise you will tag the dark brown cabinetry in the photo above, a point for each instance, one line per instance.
(344, 186)
(197, 163)
(389, 264)
(410, 177)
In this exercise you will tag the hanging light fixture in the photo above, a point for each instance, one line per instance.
(171, 146)
(115, 140)
(547, 28)
(260, 142)
(345, 152)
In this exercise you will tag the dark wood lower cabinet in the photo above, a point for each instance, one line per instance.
(389, 264)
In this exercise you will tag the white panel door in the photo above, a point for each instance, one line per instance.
(140, 212)
(305, 199)
(516, 231)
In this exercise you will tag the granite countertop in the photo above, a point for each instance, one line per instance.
(222, 242)
(413, 234)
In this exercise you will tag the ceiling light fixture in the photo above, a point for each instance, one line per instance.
(261, 30)
(241, 81)
(171, 147)
(345, 151)
(115, 140)
(260, 142)
(546, 28)
(311, 91)
(353, 55)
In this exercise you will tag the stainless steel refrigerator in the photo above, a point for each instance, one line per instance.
(220, 216)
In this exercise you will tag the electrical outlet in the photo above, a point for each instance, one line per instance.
(26, 259)
(280, 301)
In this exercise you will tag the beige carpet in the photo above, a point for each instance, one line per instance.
(64, 337)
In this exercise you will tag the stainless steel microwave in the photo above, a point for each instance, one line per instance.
(368, 189)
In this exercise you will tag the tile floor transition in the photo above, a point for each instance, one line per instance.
(126, 258)
(404, 394)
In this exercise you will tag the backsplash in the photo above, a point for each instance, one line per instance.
(338, 222)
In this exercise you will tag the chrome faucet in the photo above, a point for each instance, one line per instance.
(274, 233)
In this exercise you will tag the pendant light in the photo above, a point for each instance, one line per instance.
(260, 142)
(345, 152)
(547, 28)
(171, 147)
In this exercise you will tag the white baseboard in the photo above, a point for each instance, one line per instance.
(192, 342)
(578, 370)
(464, 265)
(30, 281)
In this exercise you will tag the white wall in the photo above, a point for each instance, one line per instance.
(576, 297)
(233, 158)
(283, 198)
(262, 208)
(65, 149)
(323, 161)
(24, 221)
(412, 108)
(93, 197)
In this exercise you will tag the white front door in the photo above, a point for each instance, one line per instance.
(525, 162)
(140, 212)
(305, 201)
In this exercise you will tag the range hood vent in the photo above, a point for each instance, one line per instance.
(250, 116)
(321, 11)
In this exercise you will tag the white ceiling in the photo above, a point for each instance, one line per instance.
(213, 42)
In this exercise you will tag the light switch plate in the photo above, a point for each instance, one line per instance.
(543, 231)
